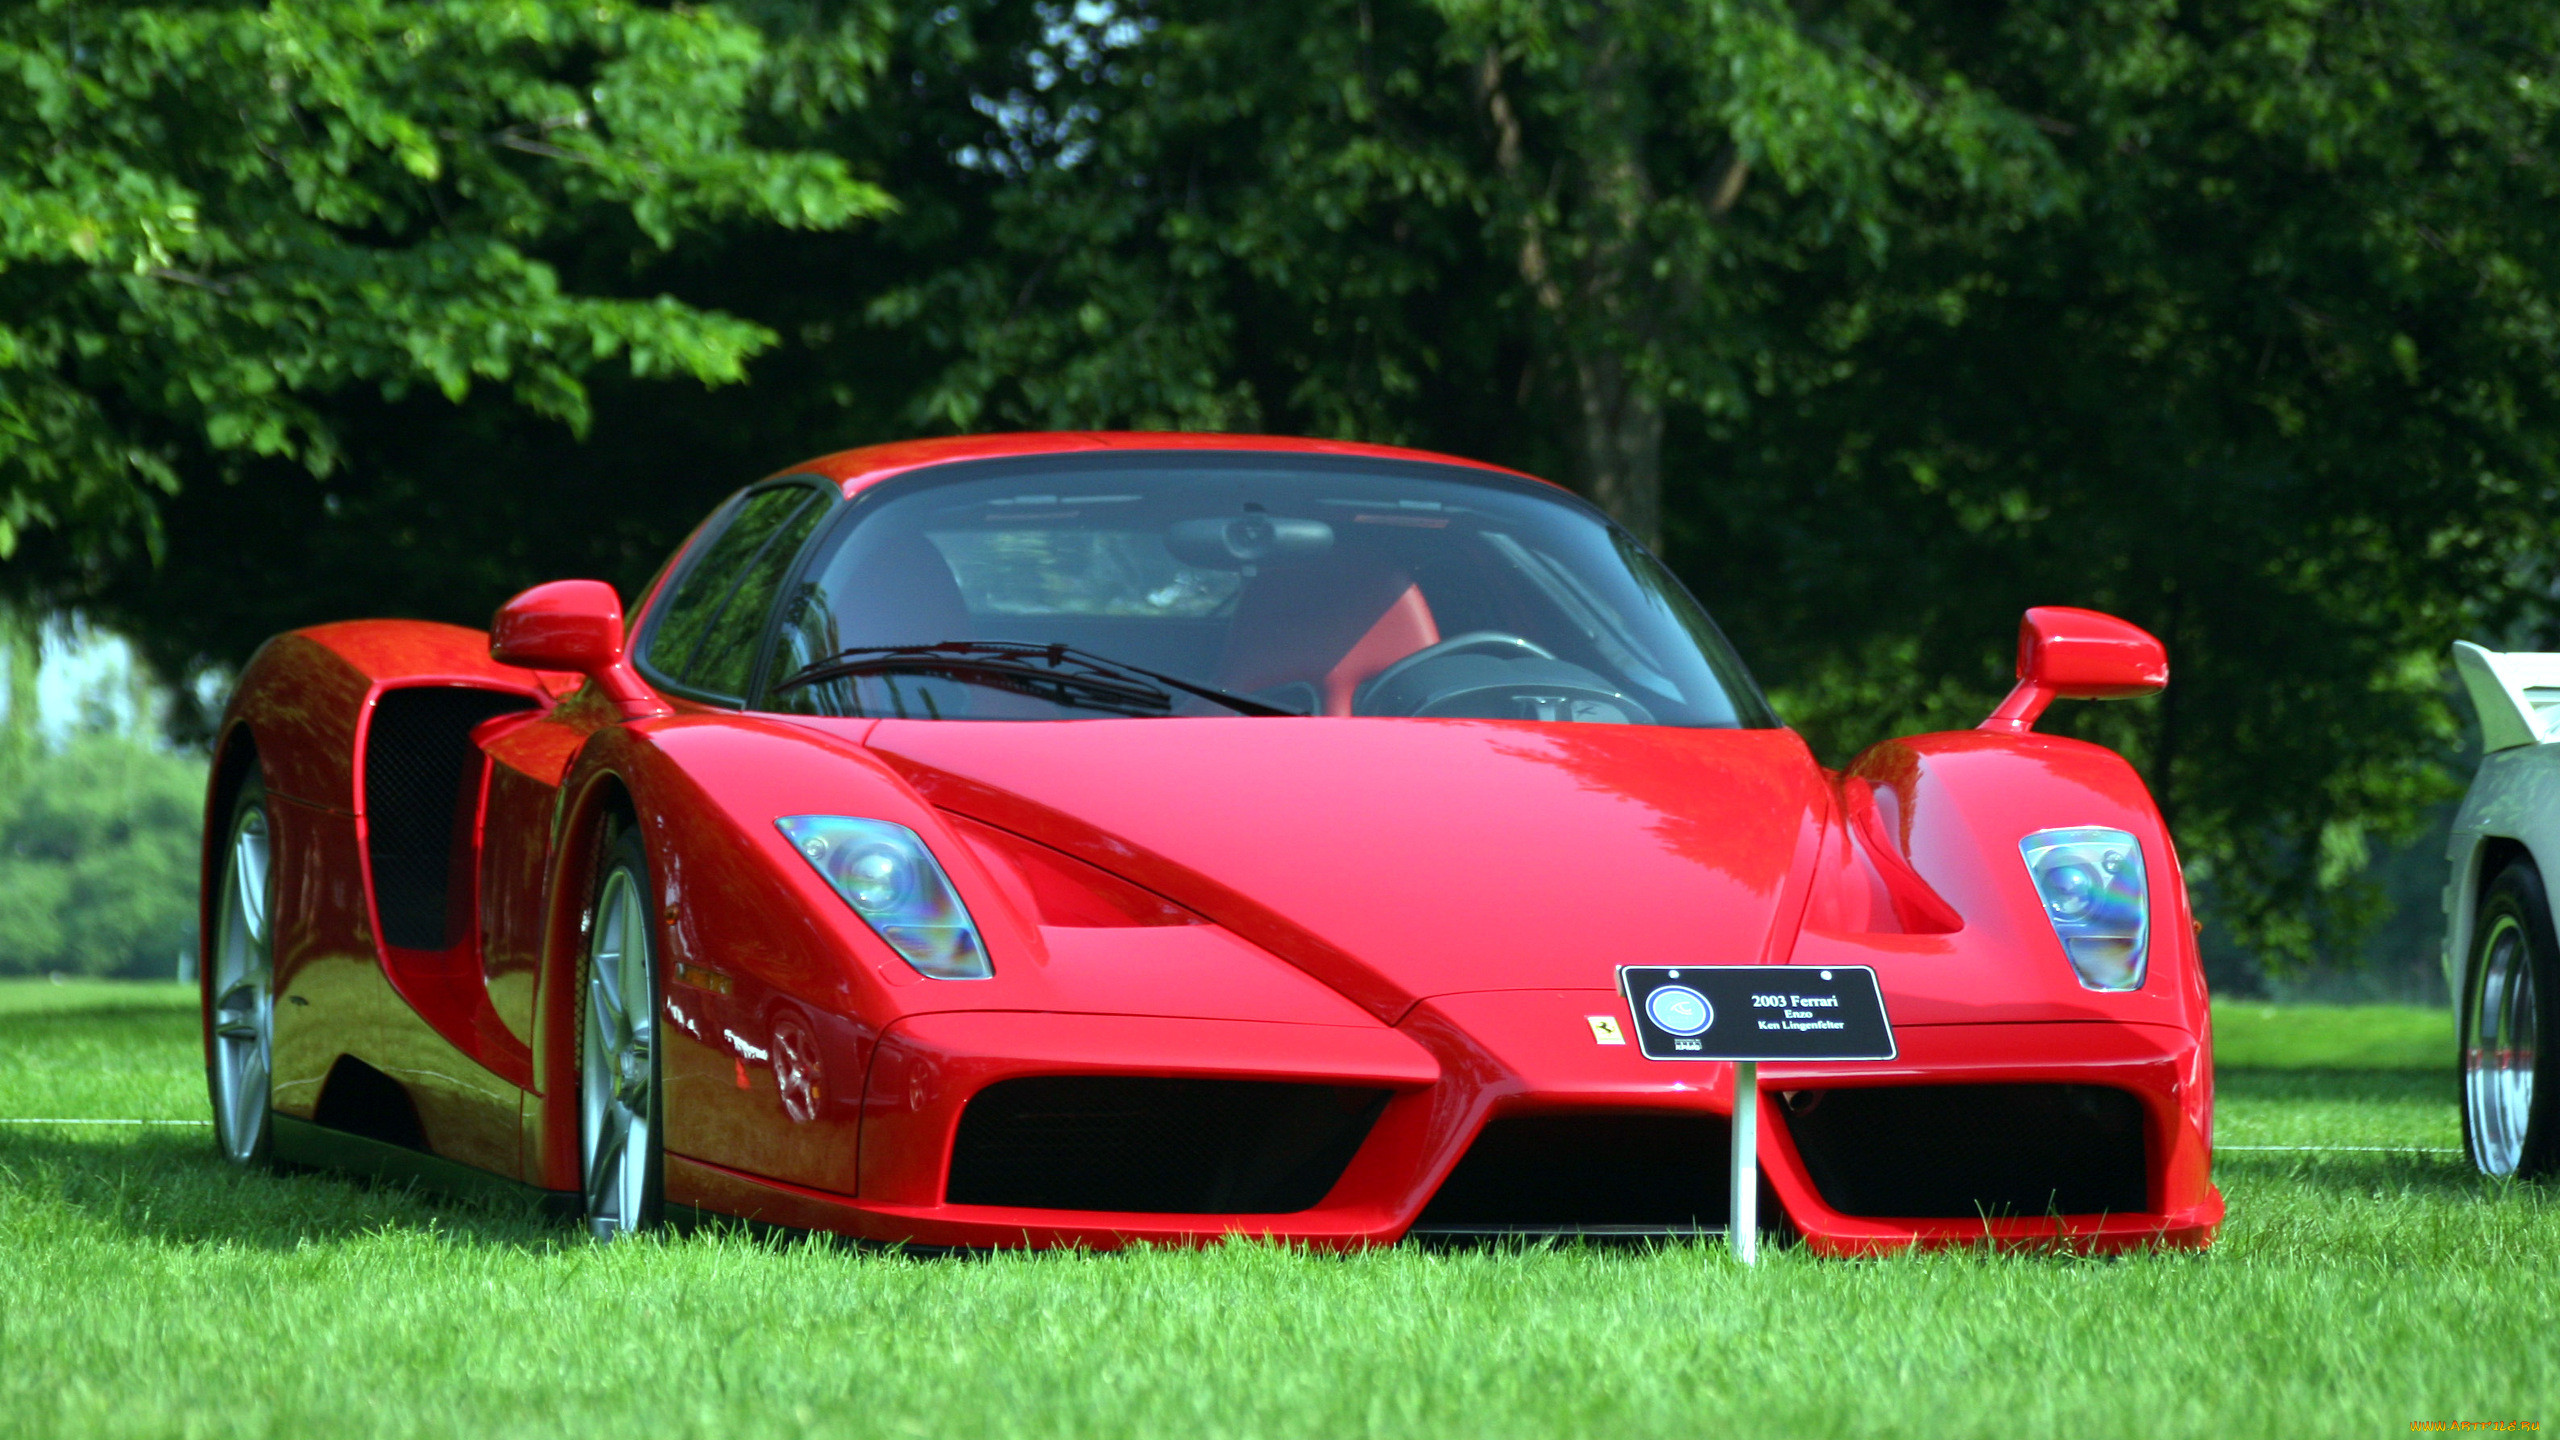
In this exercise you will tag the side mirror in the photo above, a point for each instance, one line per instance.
(2068, 654)
(573, 625)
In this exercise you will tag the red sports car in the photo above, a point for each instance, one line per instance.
(1095, 838)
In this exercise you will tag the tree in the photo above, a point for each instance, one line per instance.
(2234, 319)
(2281, 387)
(1613, 182)
(219, 220)
(98, 845)
(2237, 319)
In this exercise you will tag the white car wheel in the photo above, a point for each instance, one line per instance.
(2507, 995)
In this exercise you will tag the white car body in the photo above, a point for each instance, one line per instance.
(2511, 813)
(2514, 800)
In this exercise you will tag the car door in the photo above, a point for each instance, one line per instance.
(696, 641)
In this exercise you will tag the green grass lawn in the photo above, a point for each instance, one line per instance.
(2251, 1036)
(145, 1290)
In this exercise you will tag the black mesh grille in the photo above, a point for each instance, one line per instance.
(1182, 1147)
(1598, 1172)
(1960, 1151)
(415, 758)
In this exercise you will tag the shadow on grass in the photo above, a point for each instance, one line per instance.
(168, 1186)
(2365, 1173)
(2414, 1170)
(171, 1187)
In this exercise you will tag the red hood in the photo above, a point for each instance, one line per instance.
(1398, 859)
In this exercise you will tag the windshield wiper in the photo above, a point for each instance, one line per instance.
(1061, 674)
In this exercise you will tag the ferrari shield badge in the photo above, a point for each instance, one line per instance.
(1605, 1031)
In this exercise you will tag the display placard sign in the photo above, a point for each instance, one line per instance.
(1747, 1014)
(1757, 1012)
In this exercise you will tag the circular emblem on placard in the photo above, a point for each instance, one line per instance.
(1679, 1010)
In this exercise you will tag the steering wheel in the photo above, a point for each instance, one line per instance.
(1500, 643)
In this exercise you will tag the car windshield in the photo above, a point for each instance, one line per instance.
(1312, 585)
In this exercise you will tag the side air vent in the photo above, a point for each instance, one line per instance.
(1599, 1173)
(1962, 1151)
(1174, 1147)
(416, 757)
(361, 1100)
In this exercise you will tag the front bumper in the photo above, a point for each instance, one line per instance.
(1455, 1065)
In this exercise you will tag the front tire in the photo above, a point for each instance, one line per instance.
(240, 986)
(2510, 1000)
(619, 1104)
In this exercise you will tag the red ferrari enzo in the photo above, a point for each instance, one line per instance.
(1088, 838)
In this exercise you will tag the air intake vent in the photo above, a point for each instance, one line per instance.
(1962, 1151)
(1178, 1147)
(1600, 1173)
(416, 757)
(363, 1101)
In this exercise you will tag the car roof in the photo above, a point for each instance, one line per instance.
(858, 470)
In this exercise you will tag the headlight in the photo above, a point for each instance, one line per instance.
(893, 882)
(2094, 891)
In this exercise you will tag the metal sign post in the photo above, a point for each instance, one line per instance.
(1743, 1226)
(1747, 1014)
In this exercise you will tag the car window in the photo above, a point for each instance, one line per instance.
(1092, 571)
(705, 634)
(1317, 585)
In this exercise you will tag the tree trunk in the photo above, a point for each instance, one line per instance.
(1597, 287)
(1621, 443)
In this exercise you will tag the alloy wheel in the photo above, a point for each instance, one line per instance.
(244, 991)
(618, 1107)
(2502, 1041)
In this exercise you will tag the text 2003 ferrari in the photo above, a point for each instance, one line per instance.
(1083, 838)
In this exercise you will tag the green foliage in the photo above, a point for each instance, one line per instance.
(2280, 387)
(98, 847)
(217, 218)
(1231, 215)
(2238, 320)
